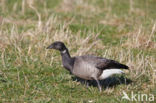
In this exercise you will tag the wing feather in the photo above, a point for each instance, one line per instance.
(109, 64)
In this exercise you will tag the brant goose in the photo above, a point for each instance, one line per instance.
(88, 67)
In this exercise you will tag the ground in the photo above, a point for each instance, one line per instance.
(123, 30)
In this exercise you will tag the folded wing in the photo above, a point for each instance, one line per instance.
(109, 64)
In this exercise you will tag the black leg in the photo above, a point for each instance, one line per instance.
(87, 83)
(99, 85)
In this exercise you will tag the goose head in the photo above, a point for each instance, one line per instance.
(57, 45)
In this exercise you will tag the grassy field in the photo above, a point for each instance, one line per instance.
(123, 30)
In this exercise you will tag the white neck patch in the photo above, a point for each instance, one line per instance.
(64, 51)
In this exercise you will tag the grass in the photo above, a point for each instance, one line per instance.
(120, 30)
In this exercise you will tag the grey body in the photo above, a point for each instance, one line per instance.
(87, 67)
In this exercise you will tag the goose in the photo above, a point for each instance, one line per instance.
(88, 67)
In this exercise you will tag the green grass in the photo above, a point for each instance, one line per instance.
(113, 29)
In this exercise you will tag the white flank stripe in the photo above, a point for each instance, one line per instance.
(109, 72)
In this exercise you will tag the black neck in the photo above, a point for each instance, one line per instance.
(67, 60)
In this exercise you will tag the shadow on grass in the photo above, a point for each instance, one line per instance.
(2, 78)
(106, 83)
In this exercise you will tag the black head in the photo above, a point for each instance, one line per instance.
(58, 45)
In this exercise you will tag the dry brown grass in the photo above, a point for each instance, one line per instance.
(28, 45)
(138, 39)
(82, 7)
(49, 33)
(139, 64)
